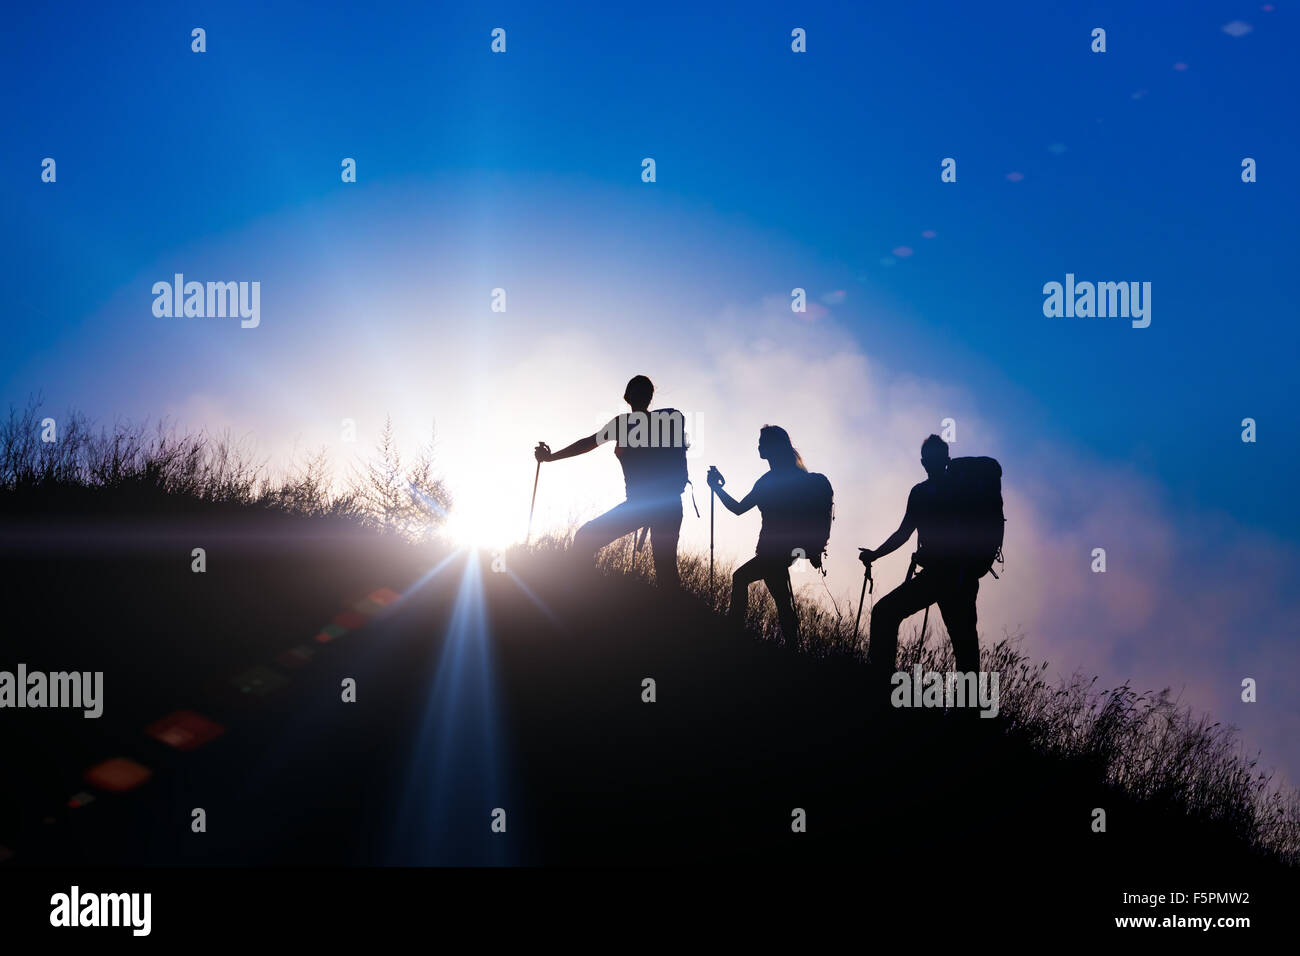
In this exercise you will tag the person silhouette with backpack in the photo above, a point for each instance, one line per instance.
(957, 516)
(797, 509)
(651, 446)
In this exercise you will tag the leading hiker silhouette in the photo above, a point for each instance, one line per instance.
(948, 577)
(651, 447)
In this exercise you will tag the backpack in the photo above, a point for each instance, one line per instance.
(654, 456)
(670, 453)
(973, 509)
(812, 514)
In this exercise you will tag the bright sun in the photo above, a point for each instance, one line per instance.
(476, 524)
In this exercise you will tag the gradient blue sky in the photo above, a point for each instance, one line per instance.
(775, 170)
(836, 150)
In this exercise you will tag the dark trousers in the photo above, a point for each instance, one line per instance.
(775, 573)
(662, 516)
(953, 590)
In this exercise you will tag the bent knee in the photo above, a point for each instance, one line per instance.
(885, 613)
(585, 541)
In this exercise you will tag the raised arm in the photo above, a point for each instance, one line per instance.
(580, 447)
(895, 540)
(715, 481)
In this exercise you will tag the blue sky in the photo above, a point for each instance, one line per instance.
(774, 170)
(835, 152)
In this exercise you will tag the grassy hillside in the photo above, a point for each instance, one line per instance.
(516, 683)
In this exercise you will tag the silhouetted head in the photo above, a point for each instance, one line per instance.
(775, 446)
(934, 456)
(638, 393)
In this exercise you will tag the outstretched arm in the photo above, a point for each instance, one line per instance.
(734, 506)
(715, 481)
(580, 447)
(897, 539)
(894, 541)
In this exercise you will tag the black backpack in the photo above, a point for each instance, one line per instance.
(813, 512)
(972, 505)
(654, 457)
(670, 454)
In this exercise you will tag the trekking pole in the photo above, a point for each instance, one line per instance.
(911, 571)
(536, 475)
(867, 583)
(711, 497)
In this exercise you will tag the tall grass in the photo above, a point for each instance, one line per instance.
(138, 466)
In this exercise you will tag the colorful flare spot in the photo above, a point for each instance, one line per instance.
(296, 658)
(903, 251)
(385, 596)
(80, 799)
(185, 730)
(1015, 177)
(331, 632)
(118, 775)
(258, 681)
(349, 620)
(368, 606)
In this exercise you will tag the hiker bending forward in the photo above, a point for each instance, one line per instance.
(651, 447)
(781, 497)
(948, 578)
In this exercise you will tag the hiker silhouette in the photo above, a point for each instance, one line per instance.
(950, 573)
(781, 496)
(651, 447)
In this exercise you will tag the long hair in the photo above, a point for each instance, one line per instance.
(778, 440)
